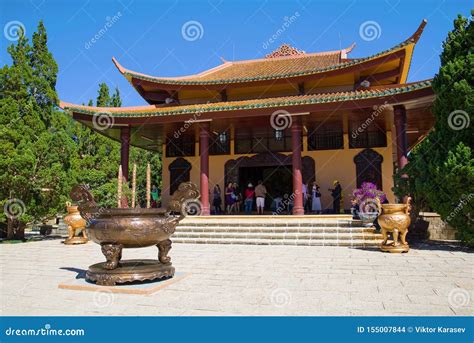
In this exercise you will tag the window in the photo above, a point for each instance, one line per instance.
(179, 172)
(248, 141)
(181, 146)
(364, 134)
(326, 136)
(219, 144)
(369, 167)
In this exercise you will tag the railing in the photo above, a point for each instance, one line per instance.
(180, 147)
(325, 140)
(370, 139)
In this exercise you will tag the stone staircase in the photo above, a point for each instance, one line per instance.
(327, 230)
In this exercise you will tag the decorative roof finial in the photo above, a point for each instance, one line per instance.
(285, 50)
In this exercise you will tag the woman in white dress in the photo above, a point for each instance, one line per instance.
(315, 199)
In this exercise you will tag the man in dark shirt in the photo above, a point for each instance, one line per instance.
(336, 197)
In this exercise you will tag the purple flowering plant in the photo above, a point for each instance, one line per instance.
(368, 191)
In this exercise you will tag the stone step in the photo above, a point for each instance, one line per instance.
(295, 223)
(305, 242)
(266, 229)
(275, 236)
(281, 230)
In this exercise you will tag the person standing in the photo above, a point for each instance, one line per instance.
(305, 193)
(277, 204)
(316, 198)
(355, 208)
(260, 193)
(307, 201)
(249, 195)
(229, 197)
(216, 199)
(154, 196)
(238, 199)
(336, 197)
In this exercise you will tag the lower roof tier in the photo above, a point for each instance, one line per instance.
(391, 94)
(151, 124)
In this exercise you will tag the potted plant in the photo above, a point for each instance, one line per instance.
(368, 198)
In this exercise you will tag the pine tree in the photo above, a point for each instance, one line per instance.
(44, 152)
(45, 70)
(35, 155)
(103, 99)
(98, 157)
(441, 168)
(116, 101)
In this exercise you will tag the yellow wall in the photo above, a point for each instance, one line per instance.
(339, 165)
(329, 164)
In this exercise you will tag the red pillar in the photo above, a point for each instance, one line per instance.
(124, 150)
(204, 181)
(296, 162)
(400, 119)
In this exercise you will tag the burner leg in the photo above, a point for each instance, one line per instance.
(113, 254)
(163, 249)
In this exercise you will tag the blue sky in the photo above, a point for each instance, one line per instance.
(147, 36)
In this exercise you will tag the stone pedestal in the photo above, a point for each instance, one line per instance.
(129, 271)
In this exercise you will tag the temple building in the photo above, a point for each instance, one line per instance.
(289, 118)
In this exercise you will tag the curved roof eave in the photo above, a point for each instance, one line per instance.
(185, 80)
(408, 91)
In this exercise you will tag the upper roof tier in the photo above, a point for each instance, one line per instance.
(286, 64)
(268, 67)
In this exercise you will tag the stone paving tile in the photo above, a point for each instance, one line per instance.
(228, 280)
(464, 311)
(418, 309)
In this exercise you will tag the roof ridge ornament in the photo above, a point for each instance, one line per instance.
(285, 50)
(416, 36)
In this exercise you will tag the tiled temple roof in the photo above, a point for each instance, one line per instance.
(264, 69)
(287, 102)
(251, 70)
(271, 68)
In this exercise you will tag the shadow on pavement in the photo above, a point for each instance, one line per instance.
(81, 273)
(428, 245)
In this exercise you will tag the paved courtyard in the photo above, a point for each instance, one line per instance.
(247, 280)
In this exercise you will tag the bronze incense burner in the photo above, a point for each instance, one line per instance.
(75, 223)
(394, 221)
(118, 228)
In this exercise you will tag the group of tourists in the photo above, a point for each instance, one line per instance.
(234, 198)
(235, 201)
(312, 197)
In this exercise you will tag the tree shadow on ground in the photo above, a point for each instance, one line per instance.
(427, 245)
(443, 246)
(32, 238)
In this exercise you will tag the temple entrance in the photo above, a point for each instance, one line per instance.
(277, 180)
(274, 169)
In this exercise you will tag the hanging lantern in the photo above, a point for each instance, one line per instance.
(278, 135)
(223, 138)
